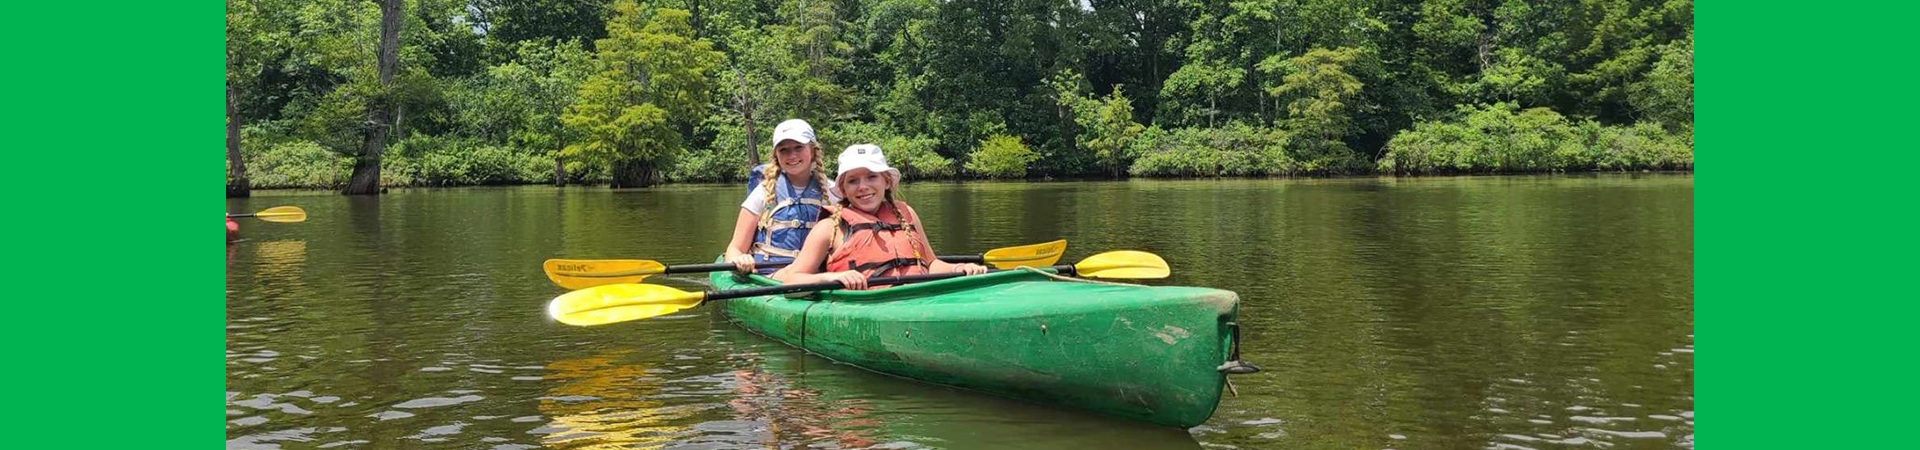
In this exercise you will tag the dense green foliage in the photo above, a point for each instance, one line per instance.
(635, 92)
(654, 79)
(1235, 150)
(1001, 156)
(1498, 139)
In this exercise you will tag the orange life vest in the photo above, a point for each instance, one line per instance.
(879, 246)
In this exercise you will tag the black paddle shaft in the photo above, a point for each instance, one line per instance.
(831, 285)
(718, 267)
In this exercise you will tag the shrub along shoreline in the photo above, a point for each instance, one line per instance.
(1485, 139)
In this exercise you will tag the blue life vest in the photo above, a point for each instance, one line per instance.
(783, 228)
(754, 176)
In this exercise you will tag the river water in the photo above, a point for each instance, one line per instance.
(1481, 312)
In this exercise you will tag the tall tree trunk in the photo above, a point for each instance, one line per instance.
(1213, 106)
(559, 163)
(743, 100)
(753, 157)
(366, 168)
(237, 183)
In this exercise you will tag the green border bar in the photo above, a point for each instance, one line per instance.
(114, 121)
(1805, 223)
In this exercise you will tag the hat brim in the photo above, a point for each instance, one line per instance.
(893, 179)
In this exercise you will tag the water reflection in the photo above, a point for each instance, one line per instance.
(603, 402)
(282, 261)
(803, 400)
(786, 412)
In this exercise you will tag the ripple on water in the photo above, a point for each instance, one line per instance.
(271, 439)
(1630, 434)
(439, 433)
(390, 415)
(1600, 420)
(265, 402)
(434, 402)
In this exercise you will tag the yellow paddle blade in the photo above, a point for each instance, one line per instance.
(1036, 255)
(586, 273)
(613, 303)
(282, 214)
(1124, 264)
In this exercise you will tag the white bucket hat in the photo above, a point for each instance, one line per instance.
(862, 156)
(793, 130)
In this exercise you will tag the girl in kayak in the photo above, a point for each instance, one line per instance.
(870, 234)
(792, 194)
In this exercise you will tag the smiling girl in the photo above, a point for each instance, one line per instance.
(870, 234)
(780, 211)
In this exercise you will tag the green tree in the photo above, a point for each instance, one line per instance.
(1618, 43)
(1239, 36)
(812, 52)
(1514, 76)
(1319, 90)
(513, 21)
(1197, 81)
(654, 79)
(1136, 43)
(897, 40)
(365, 179)
(1107, 129)
(248, 37)
(548, 79)
(748, 82)
(1001, 156)
(986, 62)
(1666, 94)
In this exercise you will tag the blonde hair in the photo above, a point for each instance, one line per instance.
(771, 174)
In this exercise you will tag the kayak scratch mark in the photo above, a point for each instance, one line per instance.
(1171, 334)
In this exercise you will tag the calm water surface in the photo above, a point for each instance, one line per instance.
(1497, 312)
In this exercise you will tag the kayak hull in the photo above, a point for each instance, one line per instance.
(1140, 352)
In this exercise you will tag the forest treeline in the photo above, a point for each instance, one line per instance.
(358, 94)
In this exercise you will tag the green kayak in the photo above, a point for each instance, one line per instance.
(1141, 352)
